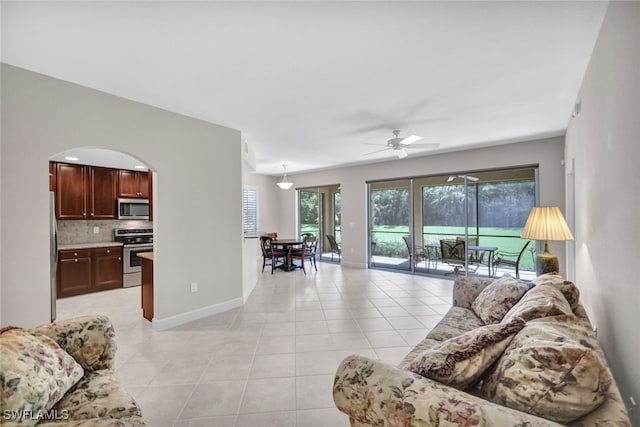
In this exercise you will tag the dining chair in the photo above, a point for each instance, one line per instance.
(298, 252)
(271, 254)
(312, 249)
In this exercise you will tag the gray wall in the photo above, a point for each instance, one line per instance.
(604, 142)
(547, 153)
(197, 208)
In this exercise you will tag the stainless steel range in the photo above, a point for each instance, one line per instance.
(136, 240)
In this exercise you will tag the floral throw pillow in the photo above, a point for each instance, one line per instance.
(550, 370)
(541, 301)
(461, 361)
(568, 289)
(497, 299)
(34, 374)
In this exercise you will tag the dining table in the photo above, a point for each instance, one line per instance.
(284, 245)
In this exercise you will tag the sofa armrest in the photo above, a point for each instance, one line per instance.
(466, 290)
(372, 392)
(90, 340)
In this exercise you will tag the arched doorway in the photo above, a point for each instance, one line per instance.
(101, 212)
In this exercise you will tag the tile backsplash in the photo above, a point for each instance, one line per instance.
(81, 231)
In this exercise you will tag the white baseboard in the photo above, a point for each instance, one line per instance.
(190, 316)
(353, 264)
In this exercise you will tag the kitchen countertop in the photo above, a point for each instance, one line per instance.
(146, 255)
(89, 245)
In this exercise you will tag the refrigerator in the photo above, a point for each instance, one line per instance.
(53, 251)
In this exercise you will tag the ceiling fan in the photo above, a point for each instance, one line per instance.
(400, 145)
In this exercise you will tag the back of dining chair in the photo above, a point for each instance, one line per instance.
(311, 242)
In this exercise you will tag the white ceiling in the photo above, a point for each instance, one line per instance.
(310, 84)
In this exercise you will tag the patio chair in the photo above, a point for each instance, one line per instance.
(475, 256)
(270, 253)
(453, 253)
(509, 259)
(335, 246)
(414, 256)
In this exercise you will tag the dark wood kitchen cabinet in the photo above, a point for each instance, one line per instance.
(85, 192)
(82, 271)
(133, 184)
(102, 193)
(107, 268)
(74, 274)
(52, 176)
(71, 191)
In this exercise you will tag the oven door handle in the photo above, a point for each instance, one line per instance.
(138, 245)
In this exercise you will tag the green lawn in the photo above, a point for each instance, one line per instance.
(389, 240)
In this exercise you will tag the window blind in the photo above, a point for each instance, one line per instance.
(250, 211)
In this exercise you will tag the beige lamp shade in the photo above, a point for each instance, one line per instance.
(546, 223)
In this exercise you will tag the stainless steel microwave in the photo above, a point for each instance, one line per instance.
(133, 209)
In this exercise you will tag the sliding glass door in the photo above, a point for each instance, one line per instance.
(390, 219)
(482, 211)
(319, 215)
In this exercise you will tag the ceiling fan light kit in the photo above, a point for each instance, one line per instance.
(285, 184)
(400, 145)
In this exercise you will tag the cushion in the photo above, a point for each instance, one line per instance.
(541, 301)
(497, 299)
(467, 288)
(462, 360)
(456, 322)
(35, 373)
(89, 339)
(568, 289)
(99, 395)
(550, 370)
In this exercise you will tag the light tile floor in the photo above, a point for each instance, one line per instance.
(272, 361)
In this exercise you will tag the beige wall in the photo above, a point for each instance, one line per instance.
(604, 142)
(198, 225)
(547, 153)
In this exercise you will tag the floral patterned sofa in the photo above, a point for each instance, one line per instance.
(60, 374)
(508, 353)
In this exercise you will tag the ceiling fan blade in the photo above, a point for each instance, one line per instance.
(373, 128)
(402, 153)
(427, 145)
(377, 151)
(410, 139)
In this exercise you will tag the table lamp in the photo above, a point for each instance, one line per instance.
(546, 223)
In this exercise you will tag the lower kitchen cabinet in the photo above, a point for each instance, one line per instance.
(107, 268)
(82, 271)
(74, 272)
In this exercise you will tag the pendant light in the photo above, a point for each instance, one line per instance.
(285, 184)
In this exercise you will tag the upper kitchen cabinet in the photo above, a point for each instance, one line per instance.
(102, 193)
(52, 176)
(71, 191)
(133, 184)
(85, 192)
